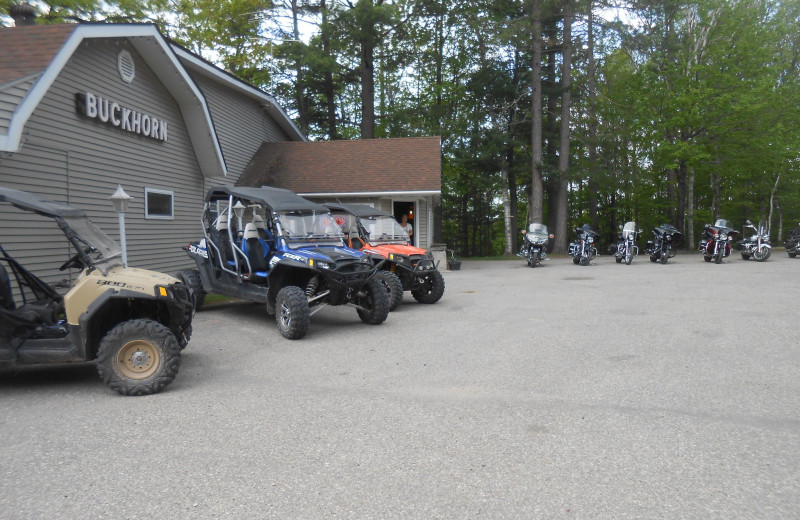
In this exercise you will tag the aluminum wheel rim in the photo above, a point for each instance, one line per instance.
(286, 316)
(138, 359)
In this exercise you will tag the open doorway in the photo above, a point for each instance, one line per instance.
(400, 208)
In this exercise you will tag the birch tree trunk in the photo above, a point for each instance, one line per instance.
(772, 202)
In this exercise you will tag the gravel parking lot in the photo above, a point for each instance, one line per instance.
(607, 391)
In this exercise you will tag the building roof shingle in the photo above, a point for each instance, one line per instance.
(29, 49)
(362, 166)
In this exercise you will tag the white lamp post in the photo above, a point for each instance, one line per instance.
(239, 208)
(121, 201)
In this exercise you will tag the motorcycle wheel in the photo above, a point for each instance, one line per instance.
(653, 259)
(534, 259)
(792, 255)
(584, 260)
(745, 256)
(706, 258)
(618, 259)
(759, 255)
(575, 259)
(664, 257)
(628, 257)
(719, 255)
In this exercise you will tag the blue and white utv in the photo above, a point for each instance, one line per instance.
(272, 246)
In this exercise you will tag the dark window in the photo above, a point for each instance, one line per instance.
(158, 203)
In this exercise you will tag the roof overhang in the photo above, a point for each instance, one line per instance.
(152, 46)
(269, 103)
(424, 193)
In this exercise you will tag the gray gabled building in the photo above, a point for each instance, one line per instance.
(87, 107)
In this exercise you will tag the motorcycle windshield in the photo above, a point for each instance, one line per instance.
(383, 228)
(723, 223)
(309, 228)
(538, 230)
(629, 230)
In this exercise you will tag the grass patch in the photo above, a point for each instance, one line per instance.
(490, 258)
(212, 299)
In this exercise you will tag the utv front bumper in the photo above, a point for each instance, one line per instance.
(177, 299)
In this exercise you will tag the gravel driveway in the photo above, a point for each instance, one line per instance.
(607, 391)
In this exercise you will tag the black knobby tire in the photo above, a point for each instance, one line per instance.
(191, 277)
(138, 357)
(431, 289)
(374, 303)
(291, 312)
(393, 286)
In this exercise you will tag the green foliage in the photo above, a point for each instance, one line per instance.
(704, 91)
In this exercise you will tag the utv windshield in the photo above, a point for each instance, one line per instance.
(309, 228)
(383, 228)
(106, 253)
(538, 229)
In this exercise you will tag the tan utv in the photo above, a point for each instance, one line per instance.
(132, 322)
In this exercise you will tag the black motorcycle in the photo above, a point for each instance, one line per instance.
(534, 242)
(626, 245)
(792, 242)
(583, 249)
(665, 241)
(756, 246)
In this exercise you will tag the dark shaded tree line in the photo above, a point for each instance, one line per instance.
(561, 111)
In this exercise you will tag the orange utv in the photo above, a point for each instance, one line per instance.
(406, 268)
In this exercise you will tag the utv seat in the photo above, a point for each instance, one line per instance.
(256, 250)
(221, 239)
(263, 232)
(34, 313)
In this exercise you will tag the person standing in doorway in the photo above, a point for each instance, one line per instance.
(406, 225)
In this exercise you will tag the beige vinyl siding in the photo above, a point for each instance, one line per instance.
(242, 124)
(11, 95)
(87, 159)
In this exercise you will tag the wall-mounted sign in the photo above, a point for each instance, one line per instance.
(114, 114)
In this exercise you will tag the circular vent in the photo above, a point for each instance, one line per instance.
(127, 70)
